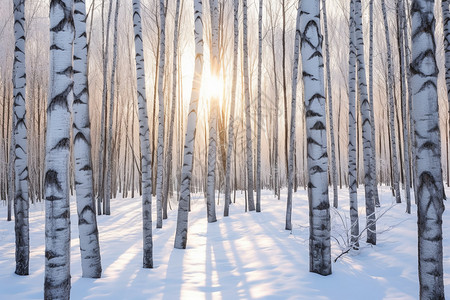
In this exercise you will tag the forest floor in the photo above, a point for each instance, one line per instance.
(244, 256)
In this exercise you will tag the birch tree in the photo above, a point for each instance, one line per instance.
(56, 183)
(11, 173)
(232, 109)
(319, 206)
(446, 21)
(144, 138)
(107, 198)
(188, 151)
(430, 207)
(352, 128)
(248, 118)
(21, 203)
(87, 221)
(160, 149)
(213, 104)
(371, 103)
(288, 225)
(330, 107)
(172, 110)
(391, 105)
(258, 142)
(286, 121)
(366, 126)
(413, 150)
(403, 75)
(446, 25)
(101, 150)
(275, 129)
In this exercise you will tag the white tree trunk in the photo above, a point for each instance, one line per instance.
(286, 121)
(288, 225)
(11, 173)
(391, 106)
(248, 117)
(424, 72)
(144, 138)
(107, 199)
(21, 201)
(87, 222)
(446, 24)
(330, 107)
(366, 127)
(212, 147)
(101, 149)
(404, 76)
(372, 112)
(172, 111)
(188, 155)
(407, 41)
(56, 183)
(232, 109)
(446, 21)
(352, 129)
(319, 206)
(258, 143)
(275, 129)
(160, 149)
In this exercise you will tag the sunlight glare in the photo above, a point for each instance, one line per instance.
(212, 87)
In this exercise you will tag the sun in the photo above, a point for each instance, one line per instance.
(212, 87)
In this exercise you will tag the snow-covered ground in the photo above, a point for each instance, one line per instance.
(244, 256)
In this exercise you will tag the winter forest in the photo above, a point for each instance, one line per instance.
(224, 149)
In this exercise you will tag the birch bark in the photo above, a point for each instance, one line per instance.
(188, 152)
(404, 76)
(258, 143)
(101, 150)
(430, 207)
(160, 149)
(446, 25)
(21, 201)
(87, 221)
(144, 138)
(172, 111)
(352, 128)
(366, 126)
(275, 137)
(232, 109)
(212, 147)
(107, 198)
(248, 117)
(56, 182)
(372, 111)
(330, 107)
(319, 206)
(288, 225)
(391, 106)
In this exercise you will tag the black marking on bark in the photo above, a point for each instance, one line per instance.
(67, 71)
(86, 168)
(312, 141)
(62, 144)
(51, 180)
(316, 169)
(50, 254)
(54, 47)
(80, 137)
(318, 126)
(428, 84)
(311, 113)
(61, 99)
(428, 145)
